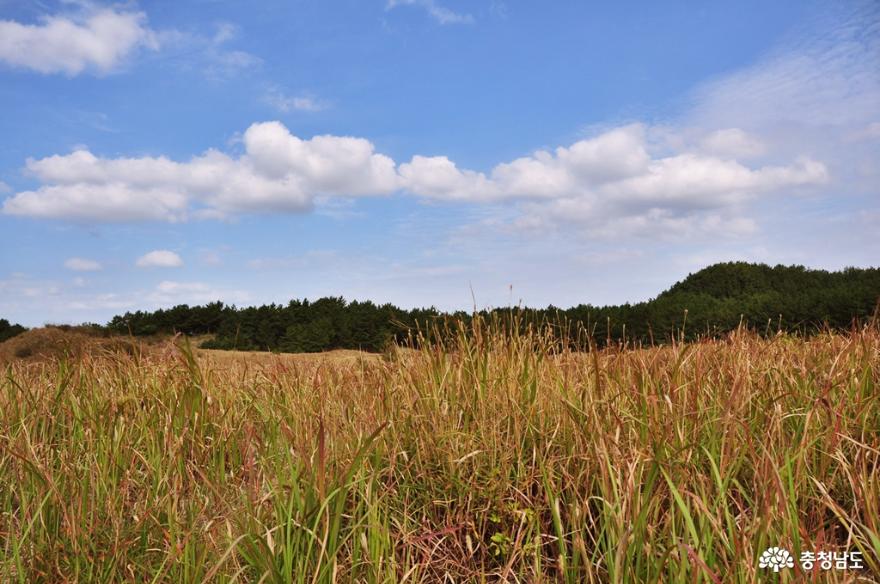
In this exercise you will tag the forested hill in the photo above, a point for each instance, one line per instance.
(802, 298)
(717, 299)
(741, 279)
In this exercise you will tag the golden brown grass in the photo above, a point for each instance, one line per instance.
(339, 357)
(491, 458)
(53, 342)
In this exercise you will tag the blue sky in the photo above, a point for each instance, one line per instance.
(426, 152)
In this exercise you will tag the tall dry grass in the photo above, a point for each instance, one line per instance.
(490, 458)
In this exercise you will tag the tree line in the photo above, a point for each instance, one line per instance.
(300, 326)
(711, 302)
(708, 303)
(8, 330)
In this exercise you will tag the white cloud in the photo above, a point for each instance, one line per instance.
(99, 41)
(288, 103)
(323, 165)
(160, 258)
(697, 181)
(116, 201)
(82, 265)
(632, 180)
(612, 174)
(438, 177)
(278, 172)
(439, 13)
(595, 221)
(613, 155)
(615, 174)
(732, 143)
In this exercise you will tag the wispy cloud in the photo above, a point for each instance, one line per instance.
(308, 259)
(169, 292)
(210, 54)
(439, 13)
(825, 73)
(82, 265)
(302, 102)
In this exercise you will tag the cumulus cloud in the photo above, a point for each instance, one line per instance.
(323, 165)
(439, 177)
(439, 13)
(160, 258)
(625, 182)
(117, 201)
(614, 174)
(698, 181)
(99, 41)
(277, 172)
(82, 265)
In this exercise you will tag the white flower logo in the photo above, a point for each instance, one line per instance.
(776, 558)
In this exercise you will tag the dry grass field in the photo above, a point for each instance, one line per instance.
(489, 459)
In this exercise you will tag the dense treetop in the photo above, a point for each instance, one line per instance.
(710, 302)
(7, 330)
